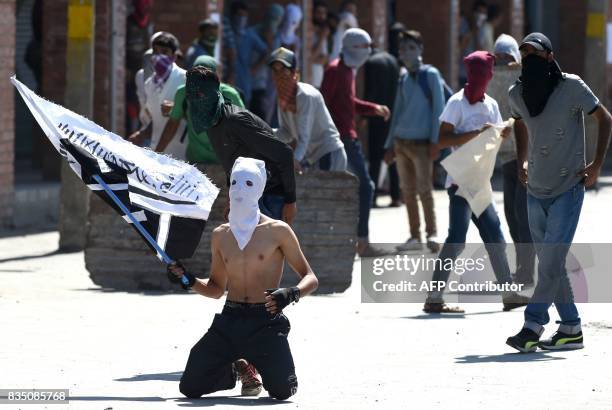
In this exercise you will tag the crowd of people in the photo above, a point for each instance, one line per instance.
(258, 107)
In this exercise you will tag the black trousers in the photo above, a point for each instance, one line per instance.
(377, 136)
(241, 331)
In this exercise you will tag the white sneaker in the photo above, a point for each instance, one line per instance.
(412, 244)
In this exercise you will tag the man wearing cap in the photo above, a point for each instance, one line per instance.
(304, 121)
(549, 108)
(248, 255)
(338, 89)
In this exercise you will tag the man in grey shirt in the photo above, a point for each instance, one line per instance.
(549, 108)
(304, 121)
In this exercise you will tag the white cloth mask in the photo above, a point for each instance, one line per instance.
(247, 183)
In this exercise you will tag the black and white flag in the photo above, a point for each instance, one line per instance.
(171, 199)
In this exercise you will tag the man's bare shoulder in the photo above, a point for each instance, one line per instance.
(276, 226)
(221, 231)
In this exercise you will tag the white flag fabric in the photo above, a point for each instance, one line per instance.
(170, 199)
(156, 182)
(471, 167)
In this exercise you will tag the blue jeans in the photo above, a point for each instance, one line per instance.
(357, 165)
(272, 205)
(490, 231)
(553, 223)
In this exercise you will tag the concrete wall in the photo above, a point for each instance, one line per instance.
(117, 258)
(7, 113)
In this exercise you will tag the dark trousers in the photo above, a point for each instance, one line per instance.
(377, 136)
(249, 333)
(357, 165)
(515, 208)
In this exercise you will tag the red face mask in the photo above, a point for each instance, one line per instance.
(479, 69)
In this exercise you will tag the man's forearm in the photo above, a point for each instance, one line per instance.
(450, 140)
(205, 288)
(167, 134)
(308, 284)
(520, 133)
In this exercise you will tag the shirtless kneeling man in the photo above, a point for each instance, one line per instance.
(248, 255)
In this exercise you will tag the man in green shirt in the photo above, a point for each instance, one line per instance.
(199, 149)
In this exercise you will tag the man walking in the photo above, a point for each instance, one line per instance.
(468, 113)
(338, 89)
(380, 86)
(413, 138)
(507, 71)
(549, 108)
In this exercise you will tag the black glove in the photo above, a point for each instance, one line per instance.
(174, 279)
(284, 296)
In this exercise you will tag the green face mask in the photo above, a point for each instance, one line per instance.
(204, 102)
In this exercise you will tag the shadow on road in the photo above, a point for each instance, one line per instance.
(28, 257)
(230, 401)
(166, 377)
(428, 316)
(508, 358)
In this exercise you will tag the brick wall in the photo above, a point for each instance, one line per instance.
(55, 21)
(180, 17)
(7, 113)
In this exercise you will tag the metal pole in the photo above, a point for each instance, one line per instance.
(137, 224)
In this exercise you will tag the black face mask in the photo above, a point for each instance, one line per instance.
(539, 77)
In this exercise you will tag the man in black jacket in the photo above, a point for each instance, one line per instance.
(235, 132)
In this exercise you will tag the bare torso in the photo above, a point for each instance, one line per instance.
(259, 266)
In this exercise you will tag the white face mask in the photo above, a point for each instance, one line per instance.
(247, 184)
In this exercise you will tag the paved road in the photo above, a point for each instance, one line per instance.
(127, 350)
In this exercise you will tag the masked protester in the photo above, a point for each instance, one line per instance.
(199, 148)
(412, 138)
(287, 33)
(381, 73)
(263, 102)
(549, 106)
(347, 19)
(472, 34)
(338, 89)
(304, 121)
(159, 91)
(467, 113)
(205, 43)
(233, 132)
(252, 327)
(507, 71)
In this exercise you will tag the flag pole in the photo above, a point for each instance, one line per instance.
(137, 224)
